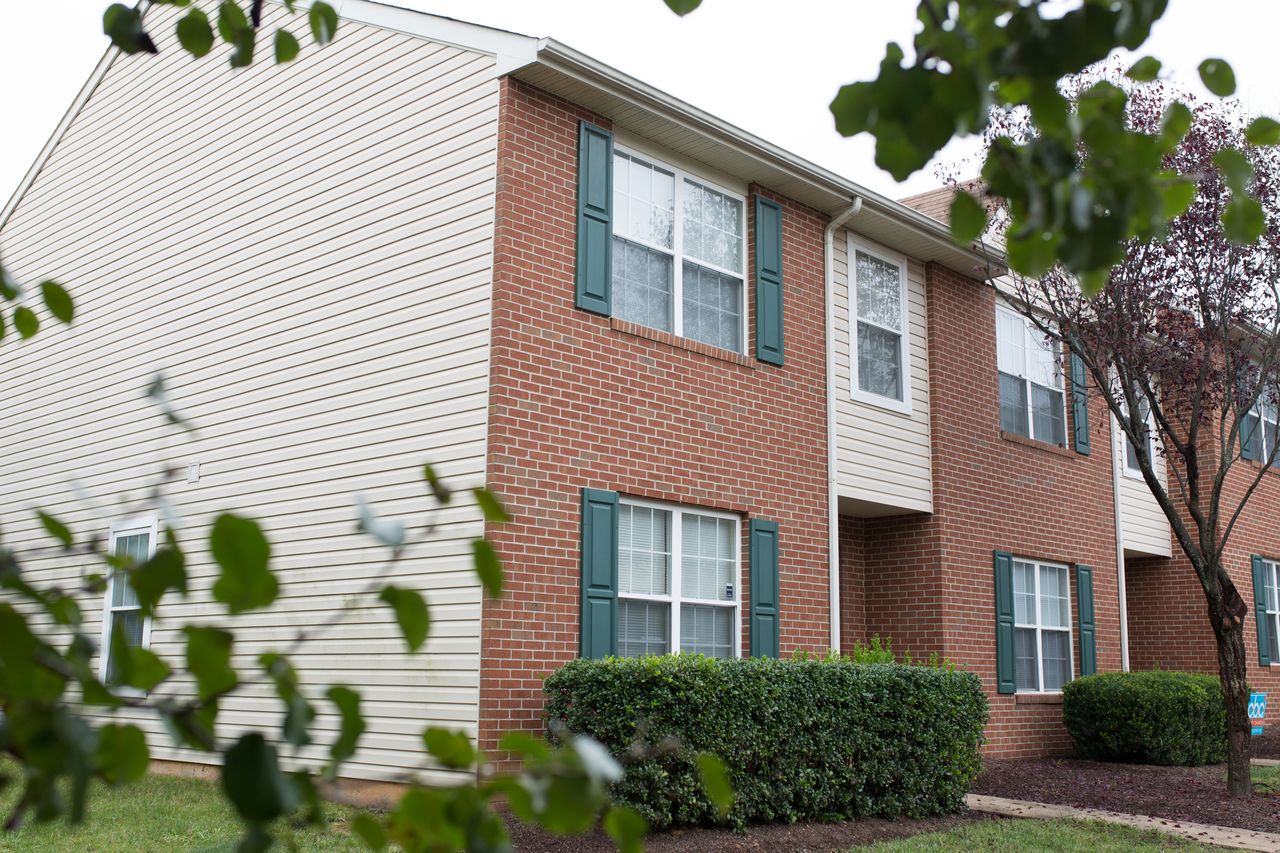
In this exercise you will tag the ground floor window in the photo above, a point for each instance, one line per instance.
(679, 573)
(1042, 625)
(133, 542)
(1271, 586)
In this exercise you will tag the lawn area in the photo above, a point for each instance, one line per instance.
(1045, 836)
(1266, 780)
(160, 814)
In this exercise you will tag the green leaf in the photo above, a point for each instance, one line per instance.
(370, 831)
(231, 20)
(443, 494)
(55, 528)
(491, 507)
(252, 781)
(452, 749)
(195, 34)
(166, 570)
(1235, 168)
(1243, 220)
(411, 614)
(242, 552)
(26, 322)
(1144, 70)
(123, 25)
(246, 41)
(209, 660)
(683, 7)
(58, 301)
(298, 713)
(122, 755)
(348, 704)
(488, 566)
(134, 666)
(627, 829)
(715, 781)
(1176, 196)
(324, 23)
(287, 47)
(968, 218)
(1217, 76)
(1263, 131)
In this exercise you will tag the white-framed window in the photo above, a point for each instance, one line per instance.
(1043, 659)
(1131, 466)
(1261, 428)
(1271, 588)
(679, 575)
(878, 327)
(134, 541)
(679, 252)
(1032, 402)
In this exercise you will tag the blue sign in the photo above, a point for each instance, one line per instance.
(1257, 706)
(1257, 730)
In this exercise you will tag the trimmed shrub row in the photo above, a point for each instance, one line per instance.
(827, 739)
(1170, 718)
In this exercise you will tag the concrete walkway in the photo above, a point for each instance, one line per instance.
(1222, 836)
(1265, 762)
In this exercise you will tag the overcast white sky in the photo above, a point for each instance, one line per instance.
(769, 66)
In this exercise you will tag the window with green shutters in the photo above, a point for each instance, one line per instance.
(1033, 625)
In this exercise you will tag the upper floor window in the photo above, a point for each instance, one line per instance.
(1032, 402)
(133, 542)
(878, 324)
(1131, 466)
(679, 251)
(1042, 625)
(678, 574)
(1260, 443)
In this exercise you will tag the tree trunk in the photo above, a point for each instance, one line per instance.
(1235, 694)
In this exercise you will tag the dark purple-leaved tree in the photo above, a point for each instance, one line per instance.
(1183, 345)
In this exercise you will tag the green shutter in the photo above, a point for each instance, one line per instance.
(1006, 681)
(595, 219)
(1080, 404)
(1088, 625)
(599, 573)
(768, 281)
(1260, 611)
(764, 588)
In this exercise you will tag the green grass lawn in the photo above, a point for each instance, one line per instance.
(1044, 836)
(160, 814)
(1266, 780)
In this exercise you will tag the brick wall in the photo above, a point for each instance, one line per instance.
(578, 400)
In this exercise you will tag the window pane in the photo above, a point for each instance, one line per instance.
(879, 361)
(713, 229)
(1011, 342)
(1273, 637)
(712, 307)
(706, 630)
(1024, 593)
(1269, 586)
(122, 594)
(1026, 674)
(1045, 365)
(1013, 404)
(643, 628)
(879, 291)
(1054, 606)
(643, 201)
(707, 564)
(135, 546)
(1048, 415)
(644, 552)
(1057, 659)
(641, 285)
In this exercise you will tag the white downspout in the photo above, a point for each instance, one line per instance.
(1116, 474)
(833, 509)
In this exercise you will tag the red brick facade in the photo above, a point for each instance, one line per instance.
(579, 400)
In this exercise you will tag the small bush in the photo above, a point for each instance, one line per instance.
(1169, 718)
(814, 739)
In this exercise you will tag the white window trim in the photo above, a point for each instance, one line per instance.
(150, 525)
(674, 599)
(1027, 331)
(1271, 576)
(1039, 629)
(676, 252)
(904, 405)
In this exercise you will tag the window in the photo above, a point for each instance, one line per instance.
(1271, 585)
(1042, 626)
(1261, 442)
(878, 328)
(1131, 466)
(679, 249)
(678, 572)
(1032, 402)
(134, 542)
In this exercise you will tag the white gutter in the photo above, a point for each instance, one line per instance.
(1116, 474)
(833, 462)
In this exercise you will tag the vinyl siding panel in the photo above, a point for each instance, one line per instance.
(883, 455)
(1142, 523)
(305, 253)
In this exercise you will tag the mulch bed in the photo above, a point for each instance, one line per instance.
(1196, 794)
(800, 837)
(1267, 744)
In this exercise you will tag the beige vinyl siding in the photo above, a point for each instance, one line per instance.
(1143, 525)
(883, 455)
(305, 253)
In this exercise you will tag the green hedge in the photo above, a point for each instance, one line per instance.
(802, 739)
(1170, 718)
